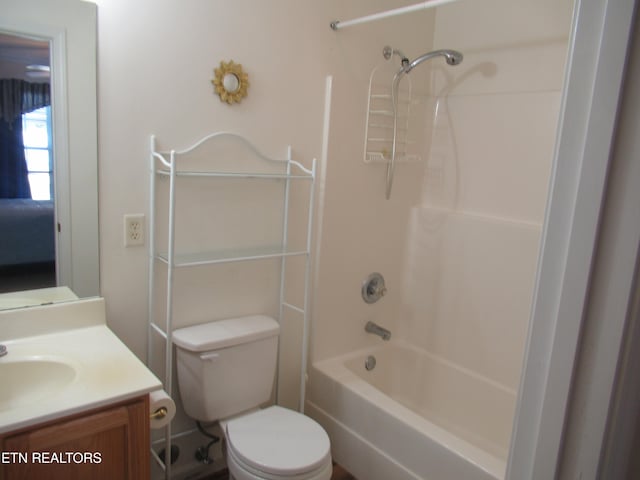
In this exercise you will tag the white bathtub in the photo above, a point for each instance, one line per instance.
(414, 416)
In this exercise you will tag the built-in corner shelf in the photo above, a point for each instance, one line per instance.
(174, 166)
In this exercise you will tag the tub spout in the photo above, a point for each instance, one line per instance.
(377, 330)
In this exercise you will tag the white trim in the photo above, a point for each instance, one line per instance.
(596, 63)
(610, 342)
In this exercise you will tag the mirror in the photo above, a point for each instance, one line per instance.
(231, 82)
(67, 30)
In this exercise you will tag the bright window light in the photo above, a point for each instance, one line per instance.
(36, 135)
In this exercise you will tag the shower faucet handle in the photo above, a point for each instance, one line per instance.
(377, 290)
(373, 288)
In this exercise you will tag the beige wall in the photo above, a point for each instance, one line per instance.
(156, 61)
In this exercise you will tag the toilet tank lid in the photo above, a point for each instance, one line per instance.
(225, 333)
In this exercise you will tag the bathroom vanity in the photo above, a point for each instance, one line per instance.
(101, 444)
(74, 400)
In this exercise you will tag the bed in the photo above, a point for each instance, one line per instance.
(26, 231)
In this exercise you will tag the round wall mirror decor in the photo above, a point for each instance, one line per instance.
(230, 82)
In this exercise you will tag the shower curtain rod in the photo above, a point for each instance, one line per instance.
(336, 24)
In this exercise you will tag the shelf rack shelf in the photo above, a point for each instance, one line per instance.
(227, 256)
(168, 165)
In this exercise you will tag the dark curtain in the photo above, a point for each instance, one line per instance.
(14, 181)
(16, 98)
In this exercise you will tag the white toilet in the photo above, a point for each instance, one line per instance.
(225, 372)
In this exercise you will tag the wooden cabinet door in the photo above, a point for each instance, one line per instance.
(105, 445)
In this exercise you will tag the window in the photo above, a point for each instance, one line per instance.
(36, 135)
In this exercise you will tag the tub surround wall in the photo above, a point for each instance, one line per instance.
(362, 232)
(467, 299)
(458, 241)
(473, 241)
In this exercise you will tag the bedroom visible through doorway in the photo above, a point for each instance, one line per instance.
(27, 197)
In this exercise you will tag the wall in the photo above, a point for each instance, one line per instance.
(156, 61)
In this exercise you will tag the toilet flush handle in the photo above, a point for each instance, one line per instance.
(209, 357)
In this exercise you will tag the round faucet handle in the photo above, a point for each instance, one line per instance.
(373, 288)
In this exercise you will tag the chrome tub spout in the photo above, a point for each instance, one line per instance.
(377, 330)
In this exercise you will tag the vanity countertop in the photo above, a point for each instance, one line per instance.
(71, 361)
(39, 296)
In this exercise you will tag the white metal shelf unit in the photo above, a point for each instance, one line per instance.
(167, 164)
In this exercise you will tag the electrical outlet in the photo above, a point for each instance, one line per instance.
(133, 230)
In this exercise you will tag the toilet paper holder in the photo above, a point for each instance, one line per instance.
(162, 409)
(159, 413)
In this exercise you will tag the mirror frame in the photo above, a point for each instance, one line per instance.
(236, 70)
(70, 28)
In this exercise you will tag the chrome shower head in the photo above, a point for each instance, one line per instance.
(452, 57)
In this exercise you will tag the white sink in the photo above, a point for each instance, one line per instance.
(61, 360)
(29, 380)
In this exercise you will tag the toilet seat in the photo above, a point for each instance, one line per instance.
(240, 471)
(278, 443)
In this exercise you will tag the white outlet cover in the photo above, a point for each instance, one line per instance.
(134, 229)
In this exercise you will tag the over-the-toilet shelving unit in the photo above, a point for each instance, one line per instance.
(171, 166)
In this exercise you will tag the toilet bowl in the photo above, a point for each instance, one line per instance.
(225, 373)
(277, 443)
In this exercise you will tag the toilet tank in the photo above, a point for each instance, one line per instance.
(227, 366)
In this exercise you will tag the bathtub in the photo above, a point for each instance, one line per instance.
(413, 416)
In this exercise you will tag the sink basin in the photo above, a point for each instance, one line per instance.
(27, 381)
(63, 360)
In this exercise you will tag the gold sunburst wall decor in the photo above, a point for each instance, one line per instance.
(231, 82)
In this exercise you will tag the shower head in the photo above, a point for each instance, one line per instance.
(451, 56)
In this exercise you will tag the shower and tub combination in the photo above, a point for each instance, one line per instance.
(422, 383)
(396, 411)
(428, 390)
